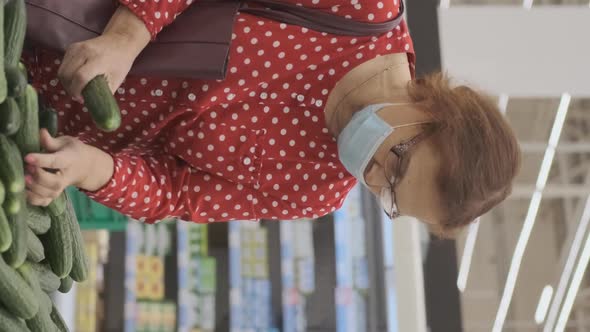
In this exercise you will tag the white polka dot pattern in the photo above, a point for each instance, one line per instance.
(249, 147)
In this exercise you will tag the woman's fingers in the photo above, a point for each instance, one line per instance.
(48, 180)
(81, 77)
(43, 185)
(59, 157)
(76, 56)
(57, 160)
(37, 200)
(52, 144)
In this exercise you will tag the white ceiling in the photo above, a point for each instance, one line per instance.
(559, 215)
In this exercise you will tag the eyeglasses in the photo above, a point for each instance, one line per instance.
(395, 171)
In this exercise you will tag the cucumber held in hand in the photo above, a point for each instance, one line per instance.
(10, 117)
(102, 104)
(11, 168)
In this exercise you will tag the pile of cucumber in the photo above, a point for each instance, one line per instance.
(41, 249)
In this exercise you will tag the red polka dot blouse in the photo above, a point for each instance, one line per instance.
(253, 146)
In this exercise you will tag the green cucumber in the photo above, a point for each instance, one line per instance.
(47, 279)
(16, 82)
(15, 26)
(12, 173)
(2, 193)
(101, 104)
(10, 323)
(58, 206)
(80, 261)
(58, 320)
(58, 246)
(15, 294)
(48, 120)
(35, 250)
(66, 284)
(45, 303)
(3, 87)
(38, 219)
(10, 117)
(16, 255)
(23, 70)
(14, 203)
(5, 232)
(42, 321)
(27, 137)
(30, 276)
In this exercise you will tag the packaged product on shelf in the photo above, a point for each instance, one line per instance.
(260, 253)
(360, 311)
(235, 267)
(155, 268)
(260, 237)
(164, 240)
(141, 262)
(361, 273)
(358, 243)
(208, 312)
(207, 275)
(260, 270)
(303, 244)
(300, 317)
(150, 239)
(142, 287)
(305, 275)
(156, 290)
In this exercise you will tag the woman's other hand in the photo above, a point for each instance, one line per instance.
(111, 54)
(67, 161)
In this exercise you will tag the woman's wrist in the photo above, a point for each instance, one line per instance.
(129, 28)
(101, 171)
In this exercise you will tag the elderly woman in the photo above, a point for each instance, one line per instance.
(300, 118)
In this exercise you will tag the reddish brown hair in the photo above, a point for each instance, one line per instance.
(479, 152)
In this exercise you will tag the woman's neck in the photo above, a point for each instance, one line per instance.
(383, 79)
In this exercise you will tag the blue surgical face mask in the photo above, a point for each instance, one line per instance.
(360, 139)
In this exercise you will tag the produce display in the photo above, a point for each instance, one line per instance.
(42, 249)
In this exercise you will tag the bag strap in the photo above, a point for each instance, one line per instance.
(318, 20)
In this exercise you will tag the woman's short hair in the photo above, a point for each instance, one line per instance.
(480, 155)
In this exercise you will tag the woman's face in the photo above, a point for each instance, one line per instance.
(416, 193)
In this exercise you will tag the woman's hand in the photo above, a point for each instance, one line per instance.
(111, 54)
(67, 162)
